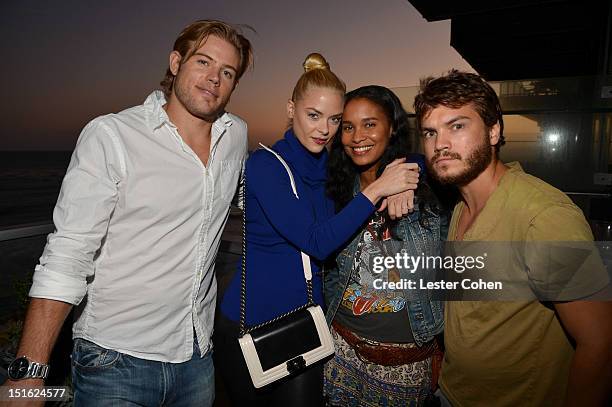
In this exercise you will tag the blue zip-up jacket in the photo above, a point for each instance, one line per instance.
(426, 315)
(279, 225)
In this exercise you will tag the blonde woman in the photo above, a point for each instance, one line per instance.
(279, 226)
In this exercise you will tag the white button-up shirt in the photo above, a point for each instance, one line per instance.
(138, 225)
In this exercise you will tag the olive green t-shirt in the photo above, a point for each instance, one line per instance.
(512, 353)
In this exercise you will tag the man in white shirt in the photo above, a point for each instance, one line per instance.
(138, 226)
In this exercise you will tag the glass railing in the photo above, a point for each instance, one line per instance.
(560, 130)
(20, 249)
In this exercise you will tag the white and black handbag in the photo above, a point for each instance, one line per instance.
(290, 342)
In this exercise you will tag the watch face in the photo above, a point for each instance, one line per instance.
(18, 368)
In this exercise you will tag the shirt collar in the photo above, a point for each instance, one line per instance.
(157, 116)
(155, 113)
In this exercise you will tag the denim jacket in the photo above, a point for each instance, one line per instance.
(425, 314)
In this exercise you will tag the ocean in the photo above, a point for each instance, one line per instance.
(29, 184)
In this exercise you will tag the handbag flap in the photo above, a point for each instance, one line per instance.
(285, 339)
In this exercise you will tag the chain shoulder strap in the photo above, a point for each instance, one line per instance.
(305, 258)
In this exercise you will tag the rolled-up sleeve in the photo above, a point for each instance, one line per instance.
(81, 216)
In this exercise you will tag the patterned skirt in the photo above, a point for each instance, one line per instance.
(349, 381)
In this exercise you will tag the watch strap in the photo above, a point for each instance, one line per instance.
(37, 370)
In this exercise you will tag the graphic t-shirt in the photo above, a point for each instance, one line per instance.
(369, 312)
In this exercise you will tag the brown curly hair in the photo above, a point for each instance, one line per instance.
(457, 89)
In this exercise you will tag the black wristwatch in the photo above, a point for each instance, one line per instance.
(24, 368)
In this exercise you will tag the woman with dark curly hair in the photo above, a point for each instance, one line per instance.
(384, 338)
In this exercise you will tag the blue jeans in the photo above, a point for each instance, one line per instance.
(103, 377)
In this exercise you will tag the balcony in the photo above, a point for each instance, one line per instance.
(560, 130)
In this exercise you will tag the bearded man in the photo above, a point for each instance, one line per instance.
(509, 353)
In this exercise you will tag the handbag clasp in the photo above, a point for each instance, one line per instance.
(296, 364)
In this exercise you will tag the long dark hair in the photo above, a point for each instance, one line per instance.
(341, 170)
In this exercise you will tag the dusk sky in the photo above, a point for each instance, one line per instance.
(68, 61)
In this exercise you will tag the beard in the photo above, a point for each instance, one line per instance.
(478, 160)
(195, 108)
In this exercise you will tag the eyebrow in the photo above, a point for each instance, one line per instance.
(447, 123)
(455, 119)
(321, 113)
(315, 110)
(212, 59)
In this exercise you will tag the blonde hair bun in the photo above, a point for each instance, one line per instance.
(315, 61)
(317, 74)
